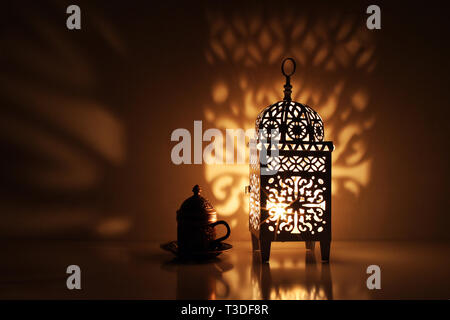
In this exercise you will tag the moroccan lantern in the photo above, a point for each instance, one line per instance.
(290, 176)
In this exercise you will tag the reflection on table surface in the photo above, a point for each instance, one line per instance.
(143, 271)
(292, 279)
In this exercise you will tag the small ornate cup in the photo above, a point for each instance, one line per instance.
(197, 219)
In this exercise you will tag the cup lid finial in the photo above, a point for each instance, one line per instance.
(196, 189)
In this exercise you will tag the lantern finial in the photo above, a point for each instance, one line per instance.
(287, 86)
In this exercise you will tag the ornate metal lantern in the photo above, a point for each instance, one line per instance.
(290, 176)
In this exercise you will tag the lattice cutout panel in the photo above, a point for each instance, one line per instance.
(297, 164)
(255, 191)
(296, 204)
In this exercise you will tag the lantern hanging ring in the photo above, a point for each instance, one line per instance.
(293, 67)
(287, 86)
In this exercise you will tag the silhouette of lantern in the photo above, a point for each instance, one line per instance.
(290, 176)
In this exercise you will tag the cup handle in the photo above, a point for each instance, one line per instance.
(226, 226)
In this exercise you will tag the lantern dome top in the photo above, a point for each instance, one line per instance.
(289, 121)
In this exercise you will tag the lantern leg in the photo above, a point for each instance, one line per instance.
(310, 245)
(265, 250)
(325, 250)
(255, 243)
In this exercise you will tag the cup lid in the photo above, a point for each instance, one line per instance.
(197, 208)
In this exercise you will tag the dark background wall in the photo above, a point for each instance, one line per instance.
(86, 116)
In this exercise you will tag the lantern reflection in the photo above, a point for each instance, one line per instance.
(291, 279)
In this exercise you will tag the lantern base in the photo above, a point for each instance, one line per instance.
(265, 250)
(310, 245)
(264, 245)
(325, 250)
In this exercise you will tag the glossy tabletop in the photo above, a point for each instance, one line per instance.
(37, 270)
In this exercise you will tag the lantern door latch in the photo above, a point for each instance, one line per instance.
(248, 189)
